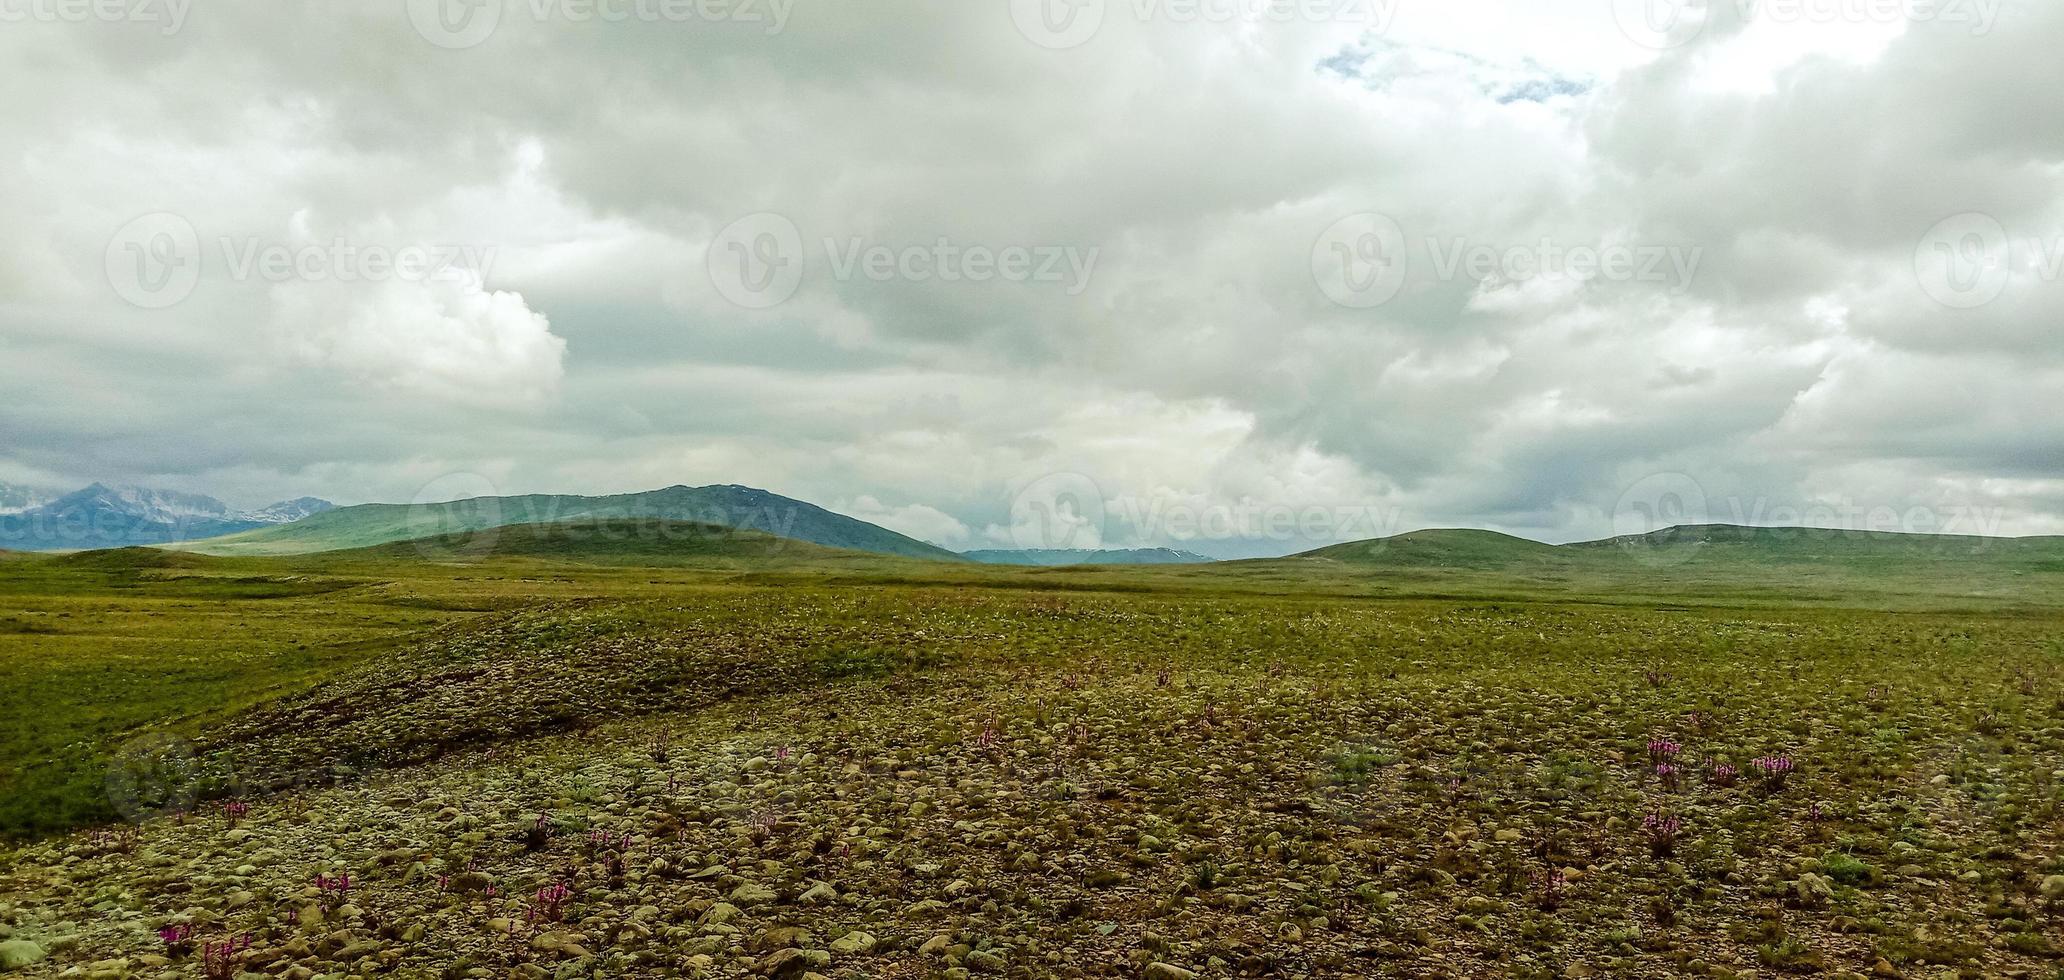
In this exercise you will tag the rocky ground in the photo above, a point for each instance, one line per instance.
(1334, 794)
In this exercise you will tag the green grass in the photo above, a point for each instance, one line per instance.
(1328, 766)
(102, 647)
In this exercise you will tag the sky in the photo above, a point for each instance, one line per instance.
(1240, 276)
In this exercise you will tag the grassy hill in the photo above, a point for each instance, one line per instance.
(1794, 545)
(1707, 544)
(728, 506)
(1441, 548)
(620, 542)
(1705, 563)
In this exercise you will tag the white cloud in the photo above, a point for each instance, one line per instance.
(919, 521)
(447, 339)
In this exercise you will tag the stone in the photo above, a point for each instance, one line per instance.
(18, 953)
(1168, 971)
(852, 943)
(720, 913)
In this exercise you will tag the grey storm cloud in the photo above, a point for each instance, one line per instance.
(1794, 262)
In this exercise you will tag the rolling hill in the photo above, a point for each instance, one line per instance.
(367, 525)
(1806, 545)
(1701, 563)
(623, 542)
(1714, 544)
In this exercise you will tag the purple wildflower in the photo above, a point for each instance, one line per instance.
(1662, 830)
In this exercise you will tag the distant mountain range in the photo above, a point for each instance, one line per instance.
(1735, 545)
(102, 516)
(1057, 557)
(743, 508)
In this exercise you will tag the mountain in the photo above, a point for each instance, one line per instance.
(641, 542)
(1825, 546)
(103, 516)
(14, 499)
(367, 525)
(289, 511)
(1727, 547)
(1079, 556)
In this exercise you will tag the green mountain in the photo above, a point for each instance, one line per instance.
(367, 525)
(640, 542)
(1800, 545)
(1718, 544)
(1792, 564)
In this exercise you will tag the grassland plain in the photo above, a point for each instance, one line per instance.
(561, 761)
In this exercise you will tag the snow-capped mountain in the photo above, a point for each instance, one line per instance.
(14, 499)
(143, 503)
(288, 511)
(103, 516)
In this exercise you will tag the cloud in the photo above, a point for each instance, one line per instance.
(447, 339)
(919, 521)
(1202, 367)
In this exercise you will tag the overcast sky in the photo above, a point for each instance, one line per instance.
(1247, 276)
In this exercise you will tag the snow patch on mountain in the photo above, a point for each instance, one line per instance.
(15, 499)
(287, 511)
